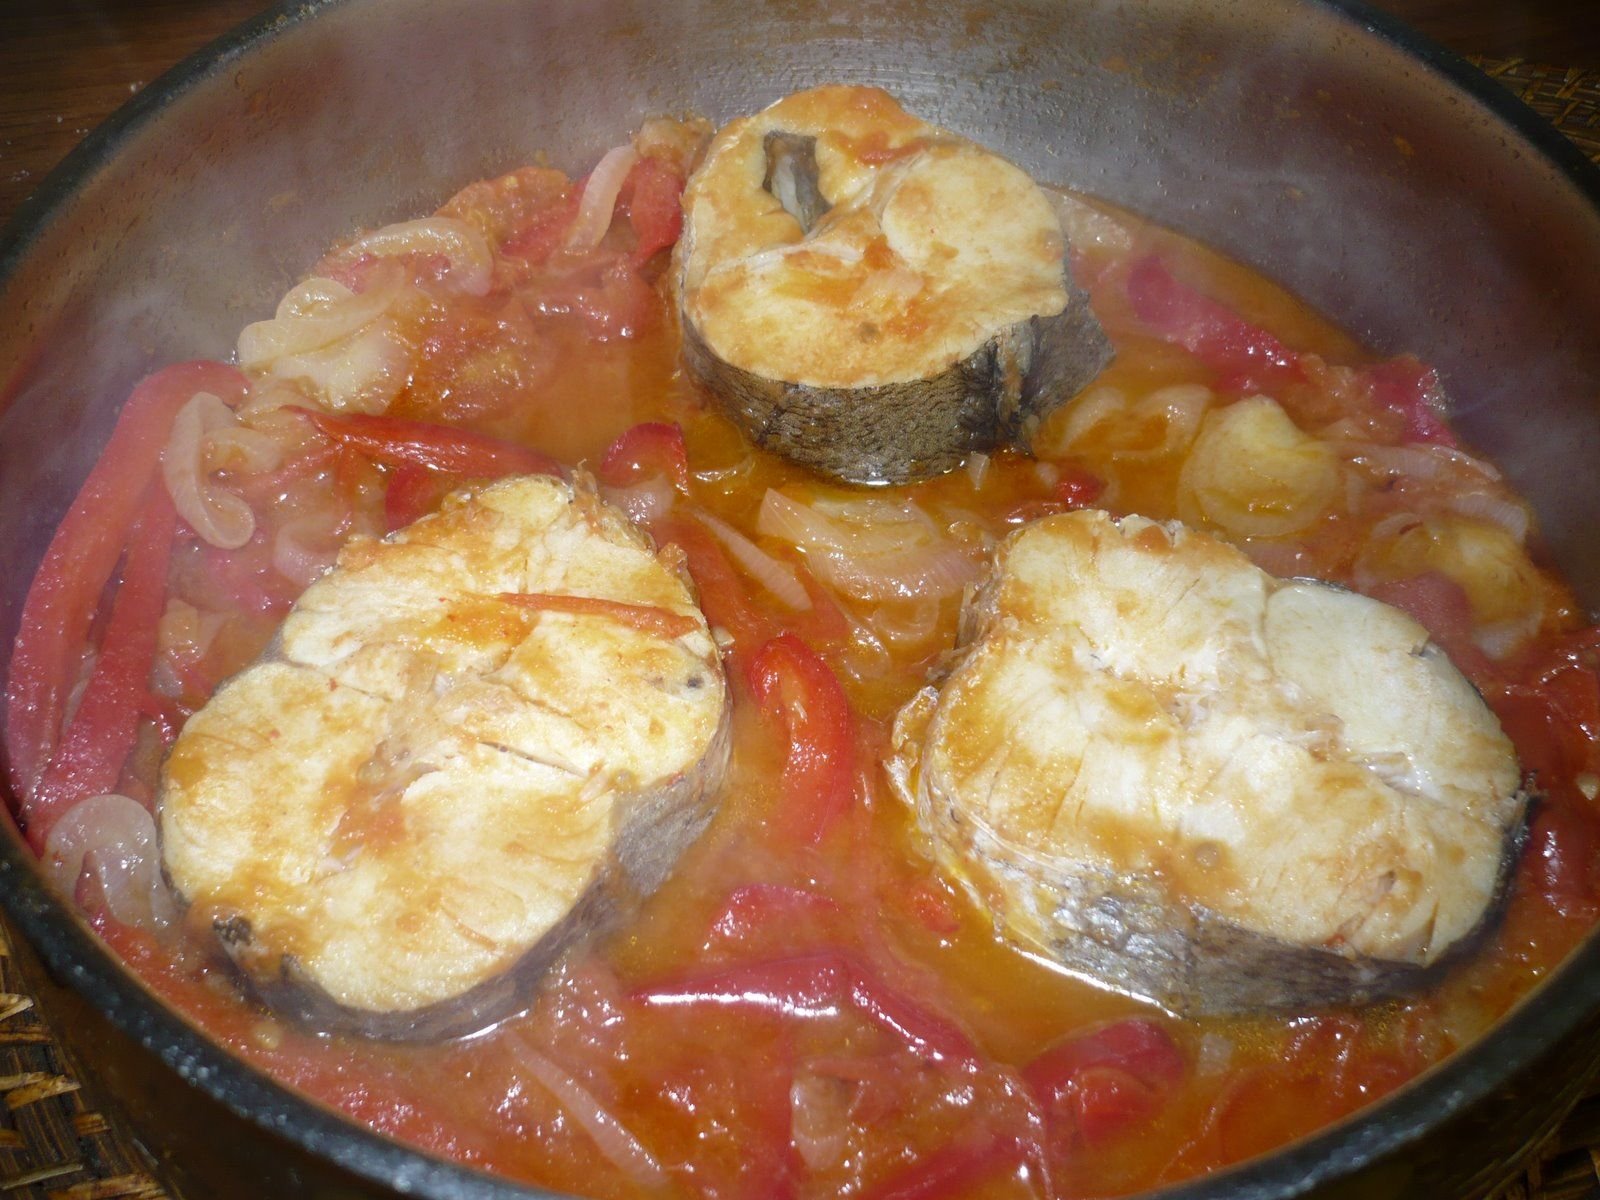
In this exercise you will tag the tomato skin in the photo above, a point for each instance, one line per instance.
(396, 442)
(67, 588)
(414, 492)
(652, 194)
(801, 697)
(1408, 387)
(951, 1172)
(755, 908)
(1245, 356)
(649, 448)
(1097, 1084)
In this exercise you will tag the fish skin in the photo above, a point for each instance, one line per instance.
(1128, 917)
(905, 432)
(416, 801)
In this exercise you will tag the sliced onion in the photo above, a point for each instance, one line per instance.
(237, 447)
(113, 837)
(1501, 639)
(1395, 522)
(471, 264)
(819, 1118)
(1254, 473)
(1095, 406)
(314, 315)
(298, 558)
(1498, 510)
(1421, 463)
(643, 502)
(977, 469)
(610, 1136)
(218, 516)
(361, 375)
(907, 623)
(778, 577)
(870, 549)
(600, 198)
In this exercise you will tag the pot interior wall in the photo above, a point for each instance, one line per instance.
(1287, 134)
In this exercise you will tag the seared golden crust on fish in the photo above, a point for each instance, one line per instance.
(448, 768)
(1162, 768)
(873, 296)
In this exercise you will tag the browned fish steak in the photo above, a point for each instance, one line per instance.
(875, 297)
(473, 743)
(1164, 769)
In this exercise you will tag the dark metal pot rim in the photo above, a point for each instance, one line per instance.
(76, 956)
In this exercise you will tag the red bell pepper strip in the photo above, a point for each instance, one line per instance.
(820, 985)
(1106, 1080)
(413, 493)
(66, 591)
(396, 442)
(97, 740)
(652, 193)
(646, 618)
(800, 695)
(954, 1171)
(1208, 329)
(722, 593)
(649, 448)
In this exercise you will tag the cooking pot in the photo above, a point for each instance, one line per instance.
(1381, 179)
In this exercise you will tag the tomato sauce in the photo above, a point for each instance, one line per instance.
(807, 1008)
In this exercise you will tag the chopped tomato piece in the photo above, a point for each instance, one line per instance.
(622, 306)
(647, 618)
(1077, 487)
(800, 695)
(543, 234)
(934, 906)
(649, 448)
(1563, 859)
(67, 589)
(1410, 388)
(819, 985)
(99, 737)
(651, 194)
(398, 442)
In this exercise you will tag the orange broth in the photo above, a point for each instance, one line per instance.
(734, 1102)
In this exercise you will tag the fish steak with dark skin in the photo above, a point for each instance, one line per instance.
(872, 296)
(1164, 769)
(473, 743)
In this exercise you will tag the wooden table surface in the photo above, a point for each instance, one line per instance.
(65, 65)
